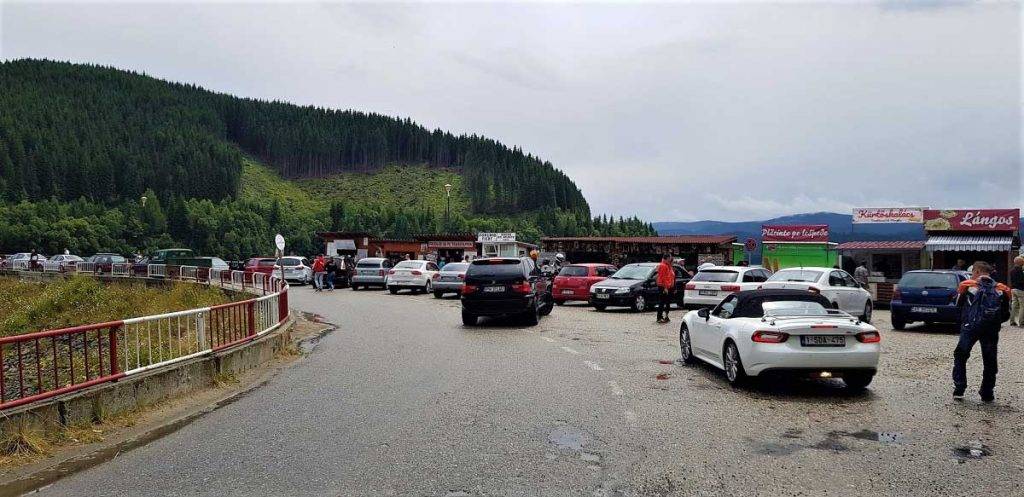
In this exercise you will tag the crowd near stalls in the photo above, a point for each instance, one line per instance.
(690, 250)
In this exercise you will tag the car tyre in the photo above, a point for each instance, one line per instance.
(857, 382)
(428, 287)
(733, 365)
(393, 290)
(532, 316)
(640, 303)
(898, 323)
(355, 287)
(469, 319)
(685, 346)
(559, 302)
(438, 294)
(866, 317)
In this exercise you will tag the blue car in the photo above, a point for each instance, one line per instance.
(926, 295)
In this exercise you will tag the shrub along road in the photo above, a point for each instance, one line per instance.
(402, 400)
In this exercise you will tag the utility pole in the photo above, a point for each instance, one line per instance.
(448, 206)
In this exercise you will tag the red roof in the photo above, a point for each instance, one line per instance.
(680, 239)
(883, 245)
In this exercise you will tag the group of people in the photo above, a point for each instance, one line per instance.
(326, 271)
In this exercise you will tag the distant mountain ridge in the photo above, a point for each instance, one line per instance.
(841, 227)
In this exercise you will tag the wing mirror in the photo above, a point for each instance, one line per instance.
(704, 313)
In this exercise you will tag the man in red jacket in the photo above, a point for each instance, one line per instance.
(667, 284)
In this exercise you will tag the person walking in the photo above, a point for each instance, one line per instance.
(961, 265)
(440, 263)
(984, 306)
(1017, 291)
(666, 283)
(318, 273)
(862, 273)
(331, 269)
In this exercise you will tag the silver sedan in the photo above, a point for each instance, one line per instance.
(450, 279)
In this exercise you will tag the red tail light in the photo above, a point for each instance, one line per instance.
(814, 289)
(436, 276)
(523, 287)
(823, 326)
(869, 337)
(462, 276)
(765, 336)
(691, 286)
(417, 273)
(896, 295)
(390, 271)
(467, 288)
(730, 288)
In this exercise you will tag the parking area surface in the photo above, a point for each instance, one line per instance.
(403, 400)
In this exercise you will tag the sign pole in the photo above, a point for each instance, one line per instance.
(279, 243)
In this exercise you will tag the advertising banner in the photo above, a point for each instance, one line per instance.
(794, 233)
(450, 244)
(888, 215)
(972, 220)
(496, 237)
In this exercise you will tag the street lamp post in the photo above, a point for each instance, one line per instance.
(448, 205)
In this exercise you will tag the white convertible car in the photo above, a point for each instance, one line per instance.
(784, 332)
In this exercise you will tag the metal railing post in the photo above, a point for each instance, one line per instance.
(112, 337)
(201, 331)
(251, 308)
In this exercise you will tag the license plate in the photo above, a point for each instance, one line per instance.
(709, 293)
(823, 340)
(566, 292)
(924, 310)
(494, 289)
(602, 295)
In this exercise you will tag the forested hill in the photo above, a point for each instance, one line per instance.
(70, 131)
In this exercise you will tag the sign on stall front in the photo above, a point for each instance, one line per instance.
(496, 237)
(450, 244)
(794, 233)
(972, 220)
(888, 215)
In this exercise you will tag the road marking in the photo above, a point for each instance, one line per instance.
(571, 351)
(616, 389)
(548, 339)
(593, 365)
(631, 418)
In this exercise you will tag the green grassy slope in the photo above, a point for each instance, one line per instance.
(405, 186)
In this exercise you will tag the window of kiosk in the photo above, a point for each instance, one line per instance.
(490, 250)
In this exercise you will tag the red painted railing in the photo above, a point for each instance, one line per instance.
(41, 365)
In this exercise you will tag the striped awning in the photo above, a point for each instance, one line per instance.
(977, 243)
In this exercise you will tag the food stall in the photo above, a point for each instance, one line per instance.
(887, 260)
(991, 235)
(621, 250)
(796, 245)
(450, 247)
(502, 245)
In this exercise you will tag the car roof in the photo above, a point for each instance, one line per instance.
(372, 259)
(748, 302)
(645, 264)
(729, 268)
(809, 268)
(590, 264)
(944, 271)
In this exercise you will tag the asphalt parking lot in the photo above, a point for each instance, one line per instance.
(403, 400)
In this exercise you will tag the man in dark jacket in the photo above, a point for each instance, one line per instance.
(973, 329)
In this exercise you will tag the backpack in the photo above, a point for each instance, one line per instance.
(985, 308)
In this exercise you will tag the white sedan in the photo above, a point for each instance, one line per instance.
(296, 269)
(790, 332)
(415, 275)
(842, 291)
(709, 286)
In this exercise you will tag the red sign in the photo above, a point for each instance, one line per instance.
(451, 244)
(794, 233)
(751, 245)
(972, 220)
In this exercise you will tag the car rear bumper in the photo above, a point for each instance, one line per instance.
(448, 286)
(369, 280)
(691, 298)
(497, 307)
(614, 300)
(559, 294)
(413, 282)
(764, 357)
(943, 313)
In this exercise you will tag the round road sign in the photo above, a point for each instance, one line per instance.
(279, 241)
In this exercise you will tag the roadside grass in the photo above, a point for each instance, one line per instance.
(27, 307)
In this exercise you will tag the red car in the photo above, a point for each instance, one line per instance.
(263, 265)
(573, 281)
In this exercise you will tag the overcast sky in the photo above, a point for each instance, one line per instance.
(679, 111)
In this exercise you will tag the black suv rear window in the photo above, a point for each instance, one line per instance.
(503, 267)
(929, 280)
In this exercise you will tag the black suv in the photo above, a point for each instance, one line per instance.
(505, 286)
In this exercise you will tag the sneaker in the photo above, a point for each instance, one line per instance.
(958, 393)
(661, 320)
(987, 396)
(667, 319)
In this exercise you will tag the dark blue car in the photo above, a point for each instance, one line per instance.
(926, 295)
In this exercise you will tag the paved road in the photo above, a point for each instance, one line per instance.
(402, 400)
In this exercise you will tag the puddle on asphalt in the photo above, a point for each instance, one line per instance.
(885, 437)
(832, 441)
(973, 450)
(306, 345)
(567, 438)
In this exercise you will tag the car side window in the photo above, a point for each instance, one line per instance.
(751, 277)
(432, 267)
(850, 282)
(605, 271)
(835, 279)
(726, 308)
